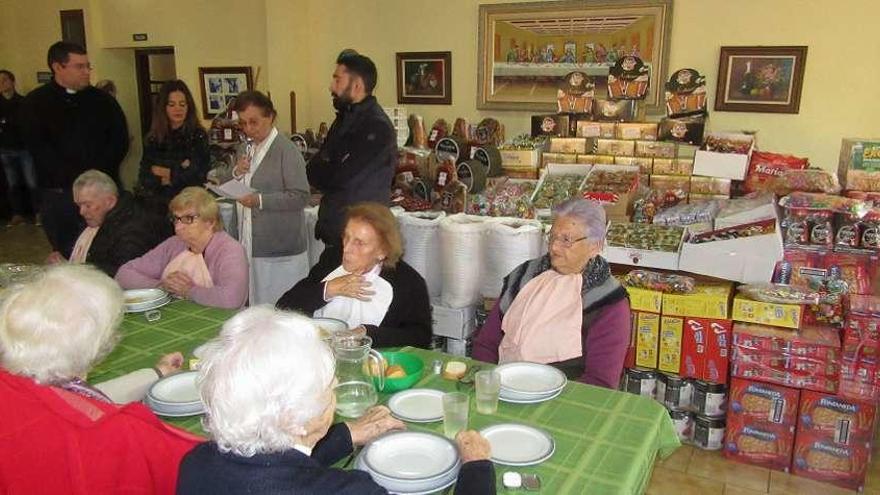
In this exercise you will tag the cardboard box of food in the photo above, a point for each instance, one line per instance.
(759, 443)
(618, 251)
(745, 259)
(520, 158)
(590, 129)
(859, 165)
(644, 131)
(647, 339)
(645, 164)
(520, 172)
(615, 147)
(548, 158)
(708, 300)
(655, 149)
(669, 353)
(455, 323)
(713, 163)
(841, 420)
(673, 166)
(766, 313)
(570, 145)
(645, 300)
(596, 159)
(764, 402)
(821, 459)
(710, 185)
(719, 334)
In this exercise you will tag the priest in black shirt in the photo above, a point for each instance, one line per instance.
(70, 127)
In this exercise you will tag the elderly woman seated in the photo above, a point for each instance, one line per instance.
(200, 262)
(563, 309)
(58, 433)
(267, 383)
(374, 291)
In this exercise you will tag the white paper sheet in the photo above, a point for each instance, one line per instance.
(234, 189)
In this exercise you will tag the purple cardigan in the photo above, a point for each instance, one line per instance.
(604, 345)
(227, 264)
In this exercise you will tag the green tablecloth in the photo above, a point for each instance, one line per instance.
(606, 441)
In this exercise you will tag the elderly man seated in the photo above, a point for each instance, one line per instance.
(117, 229)
(563, 309)
(267, 383)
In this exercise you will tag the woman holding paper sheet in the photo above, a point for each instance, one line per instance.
(271, 223)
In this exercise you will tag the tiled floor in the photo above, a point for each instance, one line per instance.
(687, 471)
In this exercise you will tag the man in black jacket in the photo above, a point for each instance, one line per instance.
(117, 228)
(356, 162)
(17, 162)
(70, 127)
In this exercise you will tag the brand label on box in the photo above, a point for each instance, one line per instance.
(647, 336)
(669, 357)
(764, 313)
(707, 301)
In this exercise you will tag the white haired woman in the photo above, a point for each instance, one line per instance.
(267, 384)
(66, 435)
(564, 308)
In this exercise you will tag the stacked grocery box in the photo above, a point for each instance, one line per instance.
(761, 423)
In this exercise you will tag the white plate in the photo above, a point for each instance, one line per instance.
(417, 405)
(136, 297)
(509, 394)
(410, 455)
(402, 487)
(530, 378)
(147, 307)
(518, 445)
(179, 388)
(535, 400)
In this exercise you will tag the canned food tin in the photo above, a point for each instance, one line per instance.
(683, 422)
(640, 382)
(674, 392)
(709, 432)
(710, 399)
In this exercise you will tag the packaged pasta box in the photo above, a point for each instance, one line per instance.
(763, 402)
(757, 442)
(843, 421)
(819, 458)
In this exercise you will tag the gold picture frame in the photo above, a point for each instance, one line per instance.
(514, 67)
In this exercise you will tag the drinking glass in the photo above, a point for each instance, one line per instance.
(455, 413)
(488, 385)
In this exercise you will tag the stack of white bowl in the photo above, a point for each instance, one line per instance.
(529, 383)
(410, 462)
(175, 396)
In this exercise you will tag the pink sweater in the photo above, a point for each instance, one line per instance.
(227, 264)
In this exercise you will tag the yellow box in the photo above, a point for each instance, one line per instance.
(645, 299)
(596, 159)
(570, 145)
(669, 356)
(708, 300)
(520, 158)
(647, 336)
(548, 158)
(764, 313)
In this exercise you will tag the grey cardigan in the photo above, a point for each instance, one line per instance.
(278, 228)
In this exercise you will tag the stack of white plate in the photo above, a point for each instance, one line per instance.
(176, 396)
(529, 383)
(417, 405)
(140, 300)
(329, 326)
(411, 462)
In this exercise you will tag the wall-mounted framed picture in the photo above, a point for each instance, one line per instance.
(220, 85)
(760, 79)
(424, 78)
(526, 49)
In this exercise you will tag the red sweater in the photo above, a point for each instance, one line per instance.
(53, 441)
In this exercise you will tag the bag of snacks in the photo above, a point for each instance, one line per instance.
(671, 283)
(779, 294)
(765, 167)
(808, 180)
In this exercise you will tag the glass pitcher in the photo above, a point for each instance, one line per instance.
(355, 360)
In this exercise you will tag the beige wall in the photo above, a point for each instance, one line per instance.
(300, 39)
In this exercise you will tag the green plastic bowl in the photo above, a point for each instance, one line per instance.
(411, 364)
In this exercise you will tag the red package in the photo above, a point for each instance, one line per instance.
(843, 421)
(805, 266)
(763, 402)
(693, 348)
(756, 442)
(765, 166)
(859, 271)
(789, 362)
(787, 378)
(816, 457)
(717, 357)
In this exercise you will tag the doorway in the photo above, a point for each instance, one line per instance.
(153, 67)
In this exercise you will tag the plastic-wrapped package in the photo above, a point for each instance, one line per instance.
(861, 350)
(779, 293)
(765, 167)
(505, 198)
(556, 189)
(807, 180)
(688, 214)
(509, 242)
(808, 358)
(421, 237)
(663, 282)
(462, 256)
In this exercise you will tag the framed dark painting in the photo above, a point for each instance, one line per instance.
(424, 78)
(220, 86)
(760, 79)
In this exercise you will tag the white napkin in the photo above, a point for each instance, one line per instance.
(356, 312)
